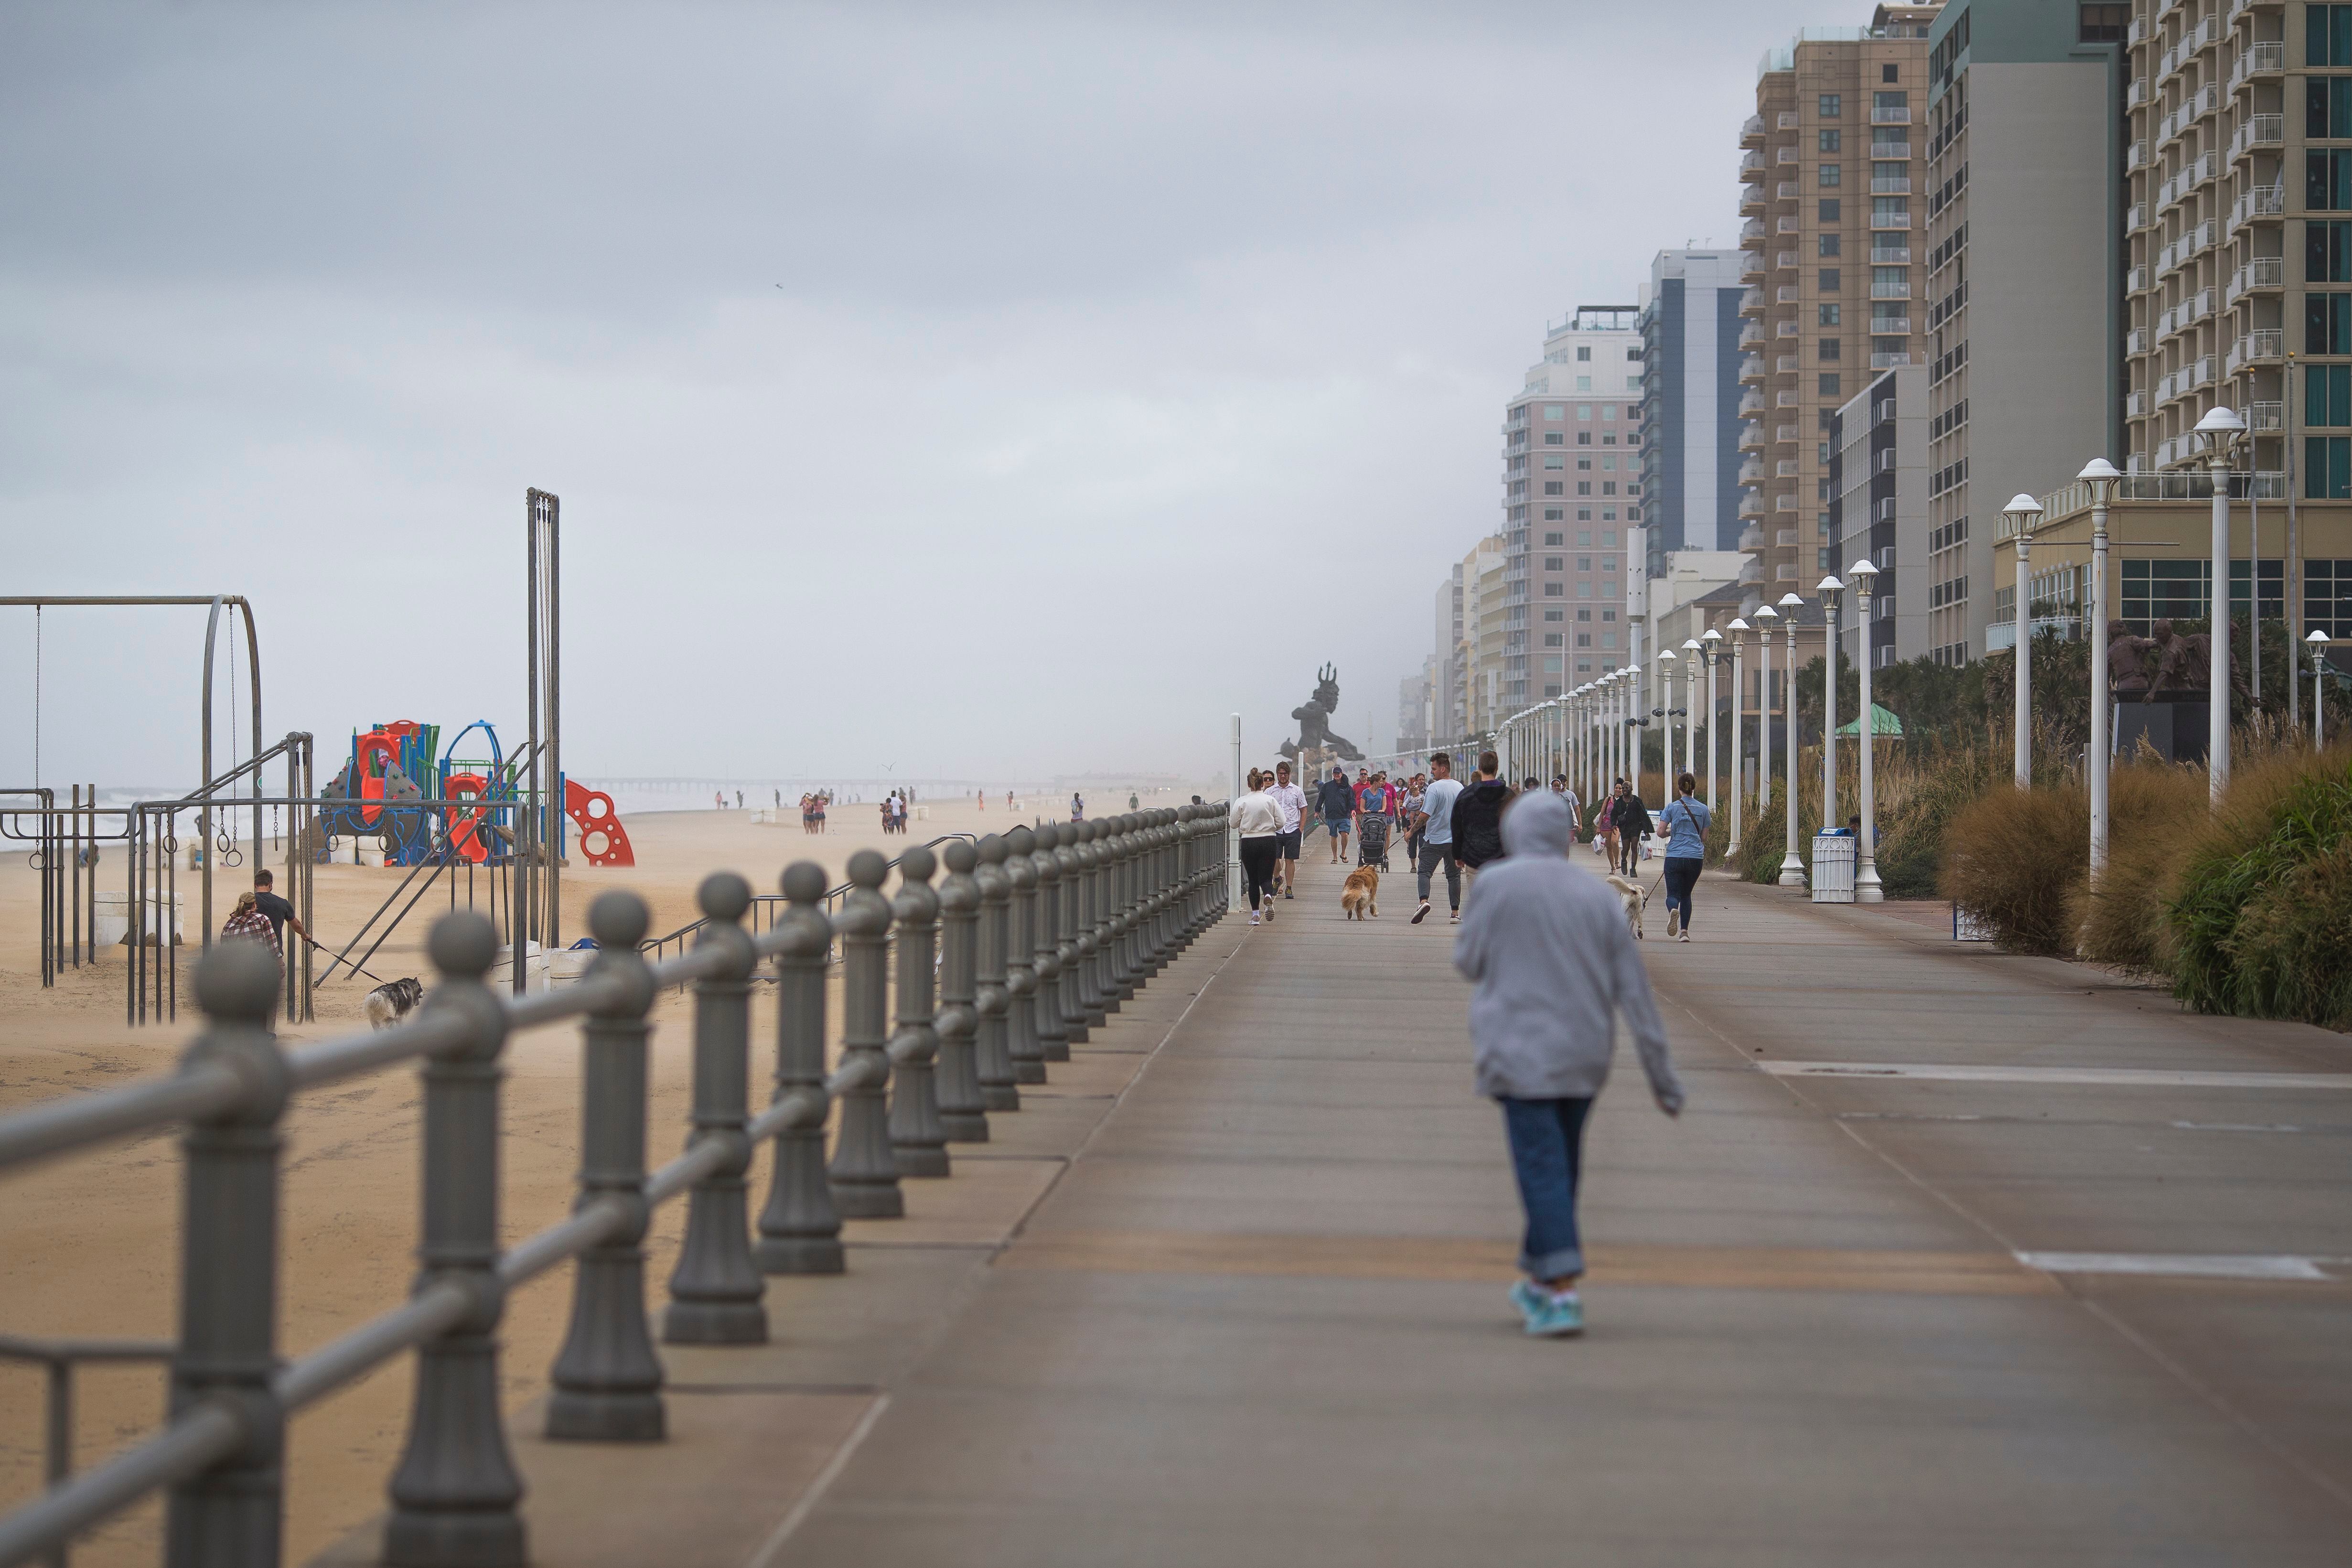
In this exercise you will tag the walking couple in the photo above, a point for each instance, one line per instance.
(1459, 828)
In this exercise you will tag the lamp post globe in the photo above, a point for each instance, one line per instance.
(2100, 476)
(1792, 866)
(2024, 514)
(2222, 431)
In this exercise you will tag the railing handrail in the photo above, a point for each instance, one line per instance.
(1123, 910)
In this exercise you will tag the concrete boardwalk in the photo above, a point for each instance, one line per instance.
(1235, 1293)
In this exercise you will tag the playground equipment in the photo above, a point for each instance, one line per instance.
(601, 837)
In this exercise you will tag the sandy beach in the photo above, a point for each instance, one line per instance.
(88, 1243)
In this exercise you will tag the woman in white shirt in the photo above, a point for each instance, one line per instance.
(1258, 820)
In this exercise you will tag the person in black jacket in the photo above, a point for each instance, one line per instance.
(1478, 819)
(1631, 819)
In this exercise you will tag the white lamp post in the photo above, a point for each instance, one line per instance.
(1829, 588)
(1792, 865)
(2101, 476)
(2024, 512)
(1765, 615)
(1694, 655)
(1739, 630)
(1714, 641)
(1666, 661)
(2317, 643)
(1867, 887)
(2222, 429)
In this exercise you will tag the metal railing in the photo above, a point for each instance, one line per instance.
(1042, 932)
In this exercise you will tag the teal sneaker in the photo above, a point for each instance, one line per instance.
(1554, 1317)
(1530, 1300)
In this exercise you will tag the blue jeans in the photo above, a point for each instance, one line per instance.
(1682, 876)
(1547, 1153)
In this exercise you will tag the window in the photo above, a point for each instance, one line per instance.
(1552, 540)
(1829, 384)
(1830, 281)
(1584, 353)
(1609, 440)
(1583, 486)
(2328, 323)
(2102, 24)
(1890, 100)
(1554, 591)
(1831, 173)
(1832, 104)
(1553, 488)
(1828, 349)
(1609, 487)
(1609, 564)
(2327, 467)
(1890, 282)
(1583, 639)
(1554, 514)
(1555, 564)
(2327, 107)
(1584, 465)
(1884, 207)
(1890, 73)
(1554, 614)
(1555, 460)
(2326, 252)
(1552, 412)
(2155, 590)
(1609, 539)
(1584, 614)
(2327, 395)
(1555, 439)
(1584, 384)
(2327, 35)
(1584, 564)
(2327, 593)
(1828, 315)
(2327, 181)
(1584, 514)
(1829, 209)
(1632, 384)
(1584, 411)
(1829, 244)
(1829, 140)
(1584, 437)
(1555, 639)
(1584, 590)
(1609, 462)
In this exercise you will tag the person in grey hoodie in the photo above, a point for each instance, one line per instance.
(1554, 963)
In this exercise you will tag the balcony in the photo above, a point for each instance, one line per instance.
(1751, 504)
(2135, 342)
(1890, 117)
(1751, 539)
(1784, 503)
(1888, 152)
(1891, 255)
(1890, 185)
(1751, 201)
(2265, 273)
(1782, 435)
(1751, 165)
(1786, 191)
(1888, 362)
(1785, 261)
(1784, 398)
(1785, 537)
(2203, 172)
(1786, 294)
(2263, 345)
(1751, 267)
(1752, 334)
(2135, 157)
(1890, 326)
(1752, 472)
(1751, 404)
(1751, 233)
(1786, 225)
(2266, 417)
(2136, 94)
(2136, 280)
(2137, 34)
(1751, 302)
(1751, 131)
(2135, 404)
(1784, 329)
(2167, 323)
(1785, 155)
(1890, 290)
(1751, 368)
(1785, 365)
(1880, 221)
(1789, 119)
(1751, 433)
(2135, 218)
(1785, 468)
(2200, 374)
(2266, 131)
(2267, 201)
(2263, 59)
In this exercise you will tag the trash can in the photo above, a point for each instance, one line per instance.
(1833, 866)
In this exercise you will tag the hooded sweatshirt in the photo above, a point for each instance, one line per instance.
(1554, 963)
(1478, 822)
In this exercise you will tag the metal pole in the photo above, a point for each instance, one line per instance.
(2024, 661)
(1867, 888)
(865, 1171)
(1830, 653)
(800, 1231)
(1738, 732)
(2291, 570)
(2217, 743)
(607, 1385)
(715, 1289)
(455, 1493)
(2097, 769)
(1792, 865)
(918, 1139)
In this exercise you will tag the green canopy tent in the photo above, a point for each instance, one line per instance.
(1884, 725)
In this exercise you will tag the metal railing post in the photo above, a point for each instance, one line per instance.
(454, 1492)
(607, 1381)
(1085, 926)
(1069, 984)
(716, 1291)
(1020, 954)
(1119, 975)
(992, 997)
(1159, 933)
(918, 1140)
(1053, 1035)
(963, 1108)
(800, 1232)
(230, 1515)
(864, 1174)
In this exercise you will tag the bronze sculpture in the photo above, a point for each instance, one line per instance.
(1313, 718)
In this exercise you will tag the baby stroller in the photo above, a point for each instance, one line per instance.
(1372, 842)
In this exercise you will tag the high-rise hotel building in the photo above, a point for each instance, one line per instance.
(1571, 484)
(1830, 176)
(1690, 402)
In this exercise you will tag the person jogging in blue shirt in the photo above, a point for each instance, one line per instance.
(1684, 822)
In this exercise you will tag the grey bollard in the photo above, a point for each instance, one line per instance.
(864, 1174)
(232, 1514)
(1171, 886)
(1128, 925)
(1087, 934)
(716, 1291)
(607, 1381)
(1053, 1032)
(992, 997)
(1108, 925)
(800, 1232)
(1143, 922)
(962, 1109)
(1067, 981)
(1020, 946)
(455, 1491)
(918, 1138)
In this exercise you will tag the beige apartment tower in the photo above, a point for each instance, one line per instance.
(1830, 192)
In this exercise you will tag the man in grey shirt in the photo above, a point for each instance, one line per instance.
(1434, 822)
(1554, 966)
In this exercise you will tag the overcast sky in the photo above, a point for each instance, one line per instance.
(956, 389)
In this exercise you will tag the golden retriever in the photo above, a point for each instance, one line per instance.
(1632, 895)
(1362, 893)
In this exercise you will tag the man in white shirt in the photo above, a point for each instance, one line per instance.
(1435, 821)
(1293, 802)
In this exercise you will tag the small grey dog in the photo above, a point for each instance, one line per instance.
(390, 1003)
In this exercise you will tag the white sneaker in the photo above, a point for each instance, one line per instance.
(1253, 917)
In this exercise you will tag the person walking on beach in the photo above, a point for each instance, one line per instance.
(1554, 966)
(1078, 806)
(1478, 819)
(1683, 821)
(249, 923)
(1292, 802)
(1258, 822)
(1433, 823)
(1337, 804)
